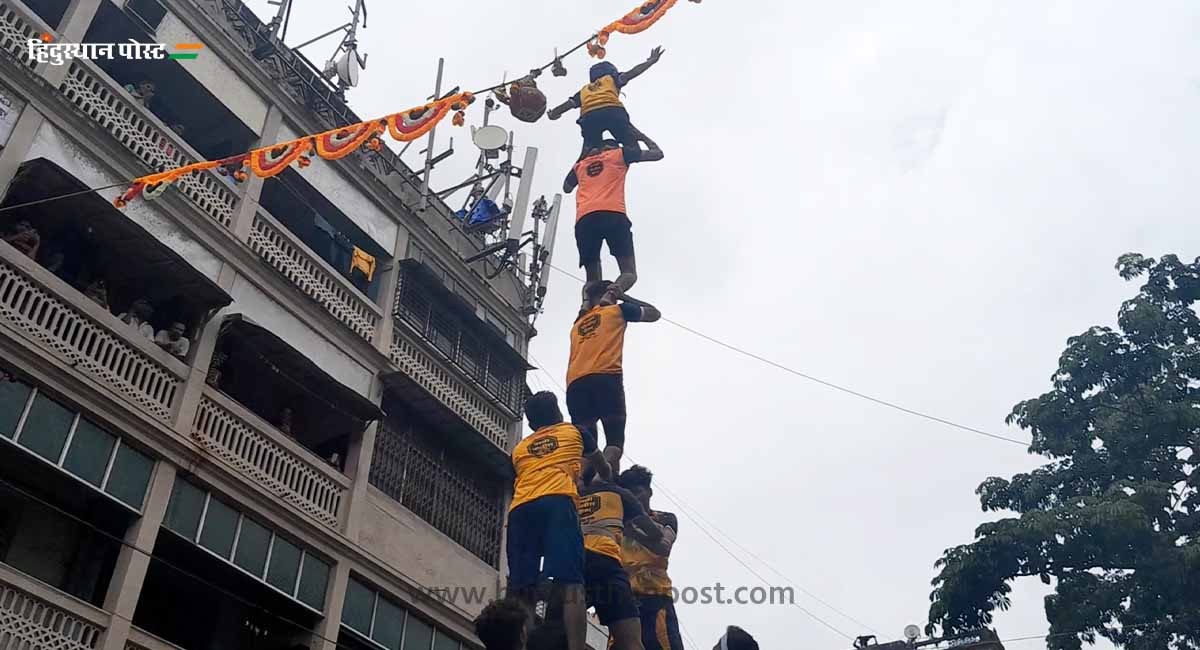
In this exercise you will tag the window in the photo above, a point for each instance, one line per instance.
(74, 444)
(390, 626)
(201, 518)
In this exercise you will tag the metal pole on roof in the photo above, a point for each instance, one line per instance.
(437, 92)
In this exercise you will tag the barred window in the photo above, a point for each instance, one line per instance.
(437, 485)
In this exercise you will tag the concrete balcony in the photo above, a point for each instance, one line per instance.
(41, 310)
(284, 252)
(142, 640)
(34, 615)
(268, 457)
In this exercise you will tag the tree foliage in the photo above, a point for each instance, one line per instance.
(1113, 519)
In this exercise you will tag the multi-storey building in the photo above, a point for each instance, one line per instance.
(329, 449)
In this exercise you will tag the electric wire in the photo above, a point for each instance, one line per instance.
(823, 382)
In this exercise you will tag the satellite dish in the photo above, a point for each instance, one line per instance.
(912, 632)
(347, 68)
(489, 138)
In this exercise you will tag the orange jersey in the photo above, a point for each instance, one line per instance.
(597, 343)
(548, 462)
(601, 183)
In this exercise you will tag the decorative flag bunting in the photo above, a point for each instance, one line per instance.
(404, 126)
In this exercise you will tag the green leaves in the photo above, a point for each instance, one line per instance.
(1112, 520)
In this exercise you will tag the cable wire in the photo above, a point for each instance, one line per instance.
(823, 382)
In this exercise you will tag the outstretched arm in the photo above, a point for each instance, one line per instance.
(557, 111)
(638, 69)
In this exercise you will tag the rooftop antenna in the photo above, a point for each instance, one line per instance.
(345, 63)
(279, 24)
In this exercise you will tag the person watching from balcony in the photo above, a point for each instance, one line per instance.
(144, 91)
(646, 561)
(543, 526)
(600, 212)
(595, 379)
(736, 638)
(606, 513)
(138, 317)
(97, 292)
(25, 238)
(173, 341)
(503, 624)
(284, 423)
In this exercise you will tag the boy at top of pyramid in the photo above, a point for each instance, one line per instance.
(599, 104)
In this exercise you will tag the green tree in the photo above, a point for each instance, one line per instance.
(1112, 521)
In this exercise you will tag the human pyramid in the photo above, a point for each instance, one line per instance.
(581, 533)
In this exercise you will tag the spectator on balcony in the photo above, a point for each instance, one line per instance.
(503, 625)
(173, 341)
(138, 317)
(97, 291)
(284, 423)
(144, 91)
(25, 238)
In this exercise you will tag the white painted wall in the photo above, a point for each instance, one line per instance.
(263, 311)
(215, 75)
(357, 206)
(53, 145)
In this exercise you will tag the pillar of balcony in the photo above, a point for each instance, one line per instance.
(243, 218)
(326, 633)
(17, 148)
(387, 293)
(130, 572)
(73, 26)
(358, 468)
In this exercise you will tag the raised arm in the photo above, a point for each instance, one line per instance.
(649, 313)
(638, 69)
(651, 153)
(571, 182)
(557, 111)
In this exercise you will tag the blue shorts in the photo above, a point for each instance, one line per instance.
(547, 527)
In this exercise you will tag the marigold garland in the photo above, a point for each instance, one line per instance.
(404, 126)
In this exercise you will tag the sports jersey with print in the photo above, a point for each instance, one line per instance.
(601, 183)
(647, 569)
(604, 508)
(549, 461)
(598, 340)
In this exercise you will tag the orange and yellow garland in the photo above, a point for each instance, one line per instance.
(334, 144)
(404, 126)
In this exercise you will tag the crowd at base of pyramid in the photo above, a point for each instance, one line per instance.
(581, 533)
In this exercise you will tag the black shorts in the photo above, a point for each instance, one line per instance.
(547, 527)
(615, 120)
(608, 588)
(660, 625)
(596, 397)
(595, 228)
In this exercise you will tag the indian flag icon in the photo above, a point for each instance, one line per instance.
(186, 51)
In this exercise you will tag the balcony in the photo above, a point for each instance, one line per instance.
(34, 615)
(89, 264)
(275, 417)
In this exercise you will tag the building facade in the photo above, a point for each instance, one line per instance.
(323, 460)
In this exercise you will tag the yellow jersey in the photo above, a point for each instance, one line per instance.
(603, 510)
(548, 462)
(601, 93)
(648, 570)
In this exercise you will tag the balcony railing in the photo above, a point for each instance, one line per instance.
(144, 135)
(18, 24)
(140, 639)
(34, 616)
(277, 246)
(450, 390)
(62, 322)
(269, 458)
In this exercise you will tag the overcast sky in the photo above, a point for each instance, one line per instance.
(920, 200)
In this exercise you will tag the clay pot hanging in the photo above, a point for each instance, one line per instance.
(526, 102)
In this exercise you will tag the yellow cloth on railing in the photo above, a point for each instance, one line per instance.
(363, 261)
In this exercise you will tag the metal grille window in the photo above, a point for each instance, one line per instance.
(464, 345)
(65, 439)
(440, 488)
(210, 523)
(374, 617)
